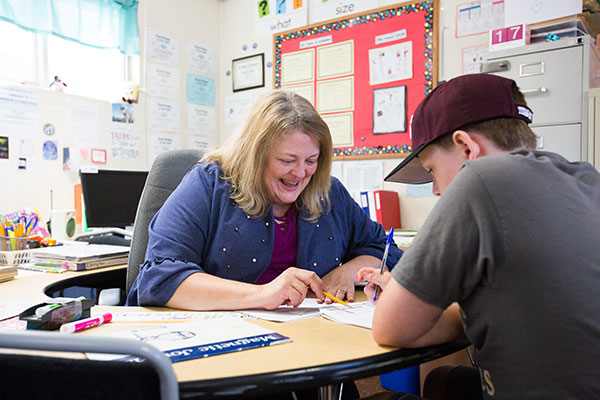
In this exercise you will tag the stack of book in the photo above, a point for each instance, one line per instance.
(8, 272)
(82, 257)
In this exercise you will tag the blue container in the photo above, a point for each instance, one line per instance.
(405, 380)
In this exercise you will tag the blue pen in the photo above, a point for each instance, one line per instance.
(384, 259)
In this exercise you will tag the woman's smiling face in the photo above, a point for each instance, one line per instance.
(290, 165)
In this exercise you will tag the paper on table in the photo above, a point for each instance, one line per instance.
(308, 308)
(284, 313)
(359, 314)
(199, 339)
(137, 317)
(11, 307)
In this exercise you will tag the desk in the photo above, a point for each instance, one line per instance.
(29, 285)
(322, 354)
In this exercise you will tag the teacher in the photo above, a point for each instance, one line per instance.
(259, 222)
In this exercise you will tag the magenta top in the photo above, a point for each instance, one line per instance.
(285, 246)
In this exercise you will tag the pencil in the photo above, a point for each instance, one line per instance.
(335, 299)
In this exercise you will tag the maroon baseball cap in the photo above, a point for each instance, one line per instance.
(451, 106)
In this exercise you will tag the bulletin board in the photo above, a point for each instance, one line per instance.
(365, 74)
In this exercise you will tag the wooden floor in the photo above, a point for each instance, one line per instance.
(369, 386)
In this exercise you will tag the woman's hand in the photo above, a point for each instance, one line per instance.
(291, 287)
(340, 281)
(375, 279)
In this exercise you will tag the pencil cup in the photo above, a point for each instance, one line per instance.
(12, 243)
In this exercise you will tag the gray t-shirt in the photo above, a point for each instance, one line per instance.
(515, 240)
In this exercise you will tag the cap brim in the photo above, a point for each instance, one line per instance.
(410, 170)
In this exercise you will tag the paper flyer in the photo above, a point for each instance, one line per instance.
(199, 339)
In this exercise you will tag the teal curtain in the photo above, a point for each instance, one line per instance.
(106, 24)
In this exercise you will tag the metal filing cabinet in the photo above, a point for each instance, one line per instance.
(555, 78)
(594, 127)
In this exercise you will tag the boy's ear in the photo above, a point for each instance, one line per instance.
(467, 144)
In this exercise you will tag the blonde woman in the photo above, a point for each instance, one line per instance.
(260, 222)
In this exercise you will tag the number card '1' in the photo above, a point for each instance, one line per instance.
(512, 36)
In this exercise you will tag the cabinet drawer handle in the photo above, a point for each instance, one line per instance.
(539, 142)
(535, 91)
(540, 71)
(495, 66)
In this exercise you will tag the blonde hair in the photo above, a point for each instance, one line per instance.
(243, 157)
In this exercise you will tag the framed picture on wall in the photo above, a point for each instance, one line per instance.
(248, 72)
(389, 110)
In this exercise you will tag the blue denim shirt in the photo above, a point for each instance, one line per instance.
(200, 229)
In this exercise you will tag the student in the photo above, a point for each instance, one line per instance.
(513, 240)
(260, 222)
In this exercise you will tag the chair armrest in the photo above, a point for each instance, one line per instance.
(53, 341)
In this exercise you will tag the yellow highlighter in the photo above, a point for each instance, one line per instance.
(335, 299)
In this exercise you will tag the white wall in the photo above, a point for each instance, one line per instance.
(237, 30)
(185, 20)
(238, 39)
(32, 187)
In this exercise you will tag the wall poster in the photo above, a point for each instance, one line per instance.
(364, 73)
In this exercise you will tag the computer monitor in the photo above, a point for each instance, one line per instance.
(111, 197)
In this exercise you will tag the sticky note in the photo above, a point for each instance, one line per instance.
(263, 8)
(281, 6)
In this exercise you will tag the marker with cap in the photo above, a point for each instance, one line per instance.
(44, 309)
(82, 324)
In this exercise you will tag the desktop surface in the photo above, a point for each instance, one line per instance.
(321, 353)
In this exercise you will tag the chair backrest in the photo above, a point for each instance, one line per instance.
(23, 376)
(165, 175)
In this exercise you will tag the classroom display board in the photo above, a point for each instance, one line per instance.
(365, 74)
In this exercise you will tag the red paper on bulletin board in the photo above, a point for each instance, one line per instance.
(365, 74)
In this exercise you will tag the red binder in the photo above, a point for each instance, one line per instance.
(387, 208)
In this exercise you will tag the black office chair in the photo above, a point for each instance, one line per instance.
(47, 377)
(165, 175)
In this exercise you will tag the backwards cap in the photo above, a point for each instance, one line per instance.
(451, 106)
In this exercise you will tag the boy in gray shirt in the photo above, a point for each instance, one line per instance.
(509, 257)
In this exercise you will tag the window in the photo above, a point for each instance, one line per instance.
(17, 54)
(87, 71)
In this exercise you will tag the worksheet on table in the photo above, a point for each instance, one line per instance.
(359, 314)
(308, 308)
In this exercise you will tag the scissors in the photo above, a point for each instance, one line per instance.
(32, 223)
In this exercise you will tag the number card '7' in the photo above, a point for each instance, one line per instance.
(512, 36)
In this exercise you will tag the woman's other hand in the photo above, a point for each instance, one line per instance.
(340, 281)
